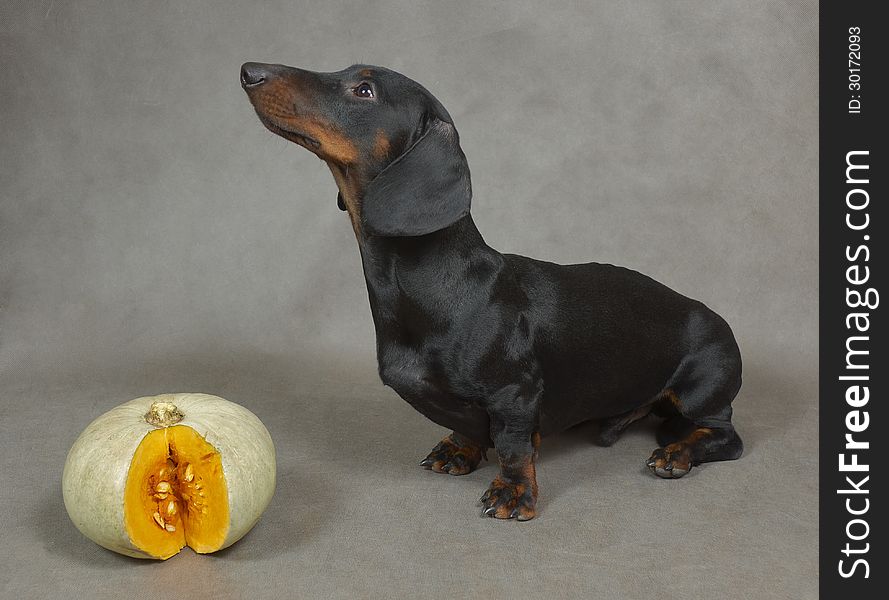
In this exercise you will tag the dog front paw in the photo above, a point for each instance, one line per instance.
(508, 500)
(454, 456)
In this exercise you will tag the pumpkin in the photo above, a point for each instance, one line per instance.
(158, 473)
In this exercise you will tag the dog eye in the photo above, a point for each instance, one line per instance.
(363, 90)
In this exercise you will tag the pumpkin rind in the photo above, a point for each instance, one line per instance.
(95, 475)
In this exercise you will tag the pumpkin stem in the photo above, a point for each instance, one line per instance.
(163, 414)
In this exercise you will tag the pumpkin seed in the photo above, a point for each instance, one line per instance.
(158, 519)
(163, 487)
(160, 496)
(171, 508)
(189, 473)
(170, 527)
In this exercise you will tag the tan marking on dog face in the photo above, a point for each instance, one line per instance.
(381, 145)
(335, 145)
(275, 101)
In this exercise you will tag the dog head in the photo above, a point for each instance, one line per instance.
(390, 144)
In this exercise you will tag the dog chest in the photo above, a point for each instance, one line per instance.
(422, 383)
(411, 373)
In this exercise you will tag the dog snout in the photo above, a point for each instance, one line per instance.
(255, 74)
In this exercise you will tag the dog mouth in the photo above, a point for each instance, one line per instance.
(297, 137)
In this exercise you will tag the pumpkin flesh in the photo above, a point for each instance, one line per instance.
(176, 494)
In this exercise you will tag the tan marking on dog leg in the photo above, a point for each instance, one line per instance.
(673, 399)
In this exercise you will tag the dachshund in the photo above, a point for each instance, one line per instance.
(499, 348)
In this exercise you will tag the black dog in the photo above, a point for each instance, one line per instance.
(500, 348)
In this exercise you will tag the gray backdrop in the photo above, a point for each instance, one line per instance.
(156, 238)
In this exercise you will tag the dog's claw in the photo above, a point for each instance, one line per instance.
(426, 462)
(490, 510)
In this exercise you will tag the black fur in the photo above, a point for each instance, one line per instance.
(424, 190)
(499, 347)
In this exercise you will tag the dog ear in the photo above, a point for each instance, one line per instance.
(425, 189)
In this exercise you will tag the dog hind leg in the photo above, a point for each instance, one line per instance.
(700, 430)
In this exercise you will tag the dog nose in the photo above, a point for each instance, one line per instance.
(254, 74)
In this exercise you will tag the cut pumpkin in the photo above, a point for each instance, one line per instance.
(176, 494)
(160, 473)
